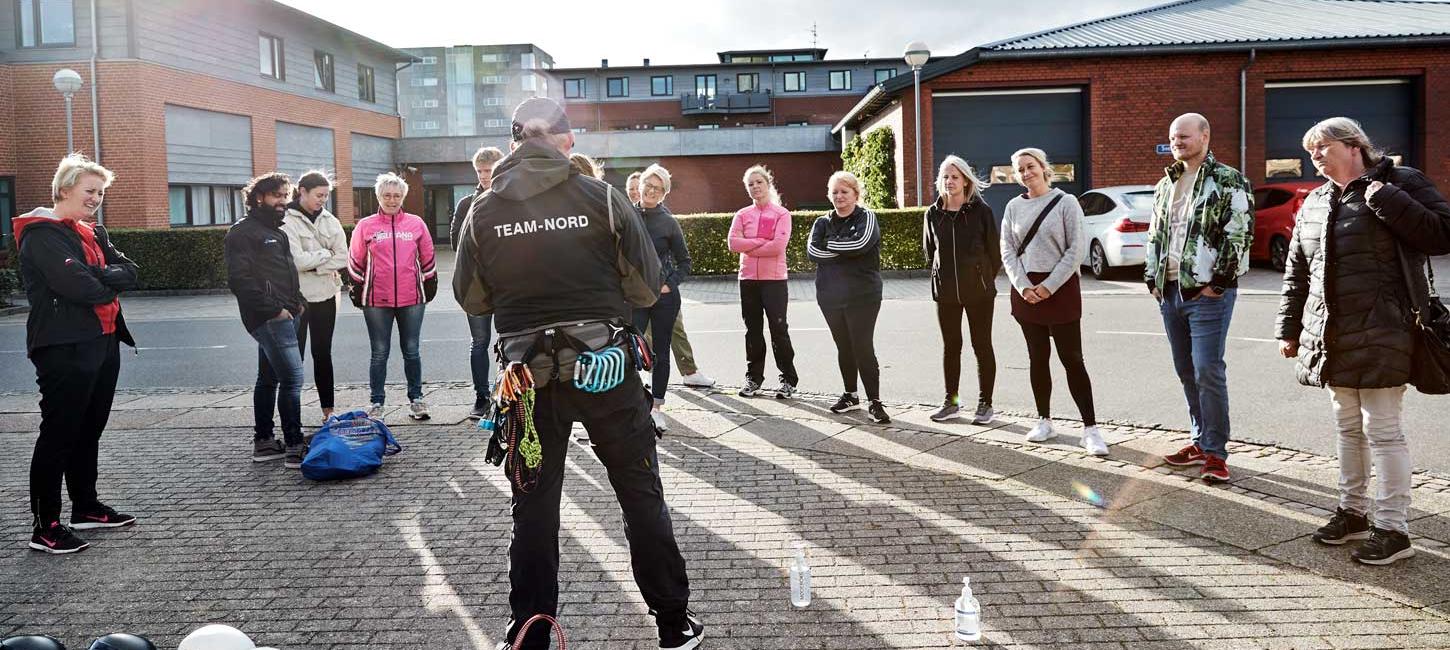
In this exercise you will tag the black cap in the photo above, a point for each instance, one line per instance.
(540, 109)
(32, 642)
(122, 642)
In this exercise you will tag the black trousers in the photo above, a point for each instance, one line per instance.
(979, 321)
(1069, 349)
(77, 385)
(763, 301)
(623, 437)
(319, 319)
(854, 330)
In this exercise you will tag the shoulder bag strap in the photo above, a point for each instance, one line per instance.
(1037, 224)
(1417, 302)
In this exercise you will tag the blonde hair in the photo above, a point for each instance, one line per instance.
(389, 178)
(658, 172)
(769, 180)
(1036, 154)
(1346, 130)
(974, 185)
(487, 156)
(586, 165)
(849, 179)
(70, 171)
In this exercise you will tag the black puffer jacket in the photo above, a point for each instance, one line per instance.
(962, 252)
(1344, 297)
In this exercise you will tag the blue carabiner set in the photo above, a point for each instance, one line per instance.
(599, 372)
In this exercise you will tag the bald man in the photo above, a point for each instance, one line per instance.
(1198, 246)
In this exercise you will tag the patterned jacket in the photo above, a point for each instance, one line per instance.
(1220, 230)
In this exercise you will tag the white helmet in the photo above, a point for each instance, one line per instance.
(218, 637)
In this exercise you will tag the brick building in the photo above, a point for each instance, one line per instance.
(193, 99)
(1099, 96)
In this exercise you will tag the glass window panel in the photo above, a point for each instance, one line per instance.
(27, 23)
(1283, 168)
(200, 205)
(1063, 172)
(176, 196)
(264, 48)
(747, 82)
(883, 74)
(1002, 174)
(57, 22)
(221, 205)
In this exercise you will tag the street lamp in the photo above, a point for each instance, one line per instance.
(67, 81)
(916, 56)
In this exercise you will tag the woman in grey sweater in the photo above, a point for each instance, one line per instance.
(1042, 248)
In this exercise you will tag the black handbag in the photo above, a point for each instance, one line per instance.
(1430, 358)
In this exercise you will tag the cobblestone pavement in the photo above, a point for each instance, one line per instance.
(1065, 551)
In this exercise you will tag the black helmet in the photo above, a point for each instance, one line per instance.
(32, 642)
(121, 642)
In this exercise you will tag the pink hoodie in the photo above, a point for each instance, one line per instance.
(391, 255)
(760, 235)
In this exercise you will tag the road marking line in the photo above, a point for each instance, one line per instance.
(1164, 334)
(180, 347)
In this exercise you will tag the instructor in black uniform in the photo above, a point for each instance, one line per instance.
(547, 247)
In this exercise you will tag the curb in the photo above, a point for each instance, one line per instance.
(14, 309)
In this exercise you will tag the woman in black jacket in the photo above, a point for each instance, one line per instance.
(1345, 314)
(959, 235)
(845, 244)
(72, 277)
(669, 241)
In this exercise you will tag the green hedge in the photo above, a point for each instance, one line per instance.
(181, 258)
(872, 158)
(9, 284)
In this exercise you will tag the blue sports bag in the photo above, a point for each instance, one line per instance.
(348, 446)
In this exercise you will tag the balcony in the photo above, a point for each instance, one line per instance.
(725, 103)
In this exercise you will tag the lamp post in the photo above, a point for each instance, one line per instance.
(916, 56)
(67, 81)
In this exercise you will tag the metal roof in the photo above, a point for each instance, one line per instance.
(1193, 22)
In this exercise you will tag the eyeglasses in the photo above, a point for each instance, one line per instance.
(651, 188)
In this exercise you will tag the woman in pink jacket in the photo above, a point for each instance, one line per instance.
(760, 233)
(391, 262)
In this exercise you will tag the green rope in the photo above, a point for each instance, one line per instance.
(530, 448)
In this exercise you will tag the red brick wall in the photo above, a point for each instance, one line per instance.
(133, 97)
(1132, 100)
(614, 116)
(713, 183)
(7, 122)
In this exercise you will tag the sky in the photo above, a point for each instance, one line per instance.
(580, 33)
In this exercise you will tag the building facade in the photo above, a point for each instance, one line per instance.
(469, 90)
(190, 101)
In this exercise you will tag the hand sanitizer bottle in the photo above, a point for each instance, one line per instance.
(800, 578)
(969, 614)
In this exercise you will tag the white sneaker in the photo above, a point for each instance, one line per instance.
(698, 380)
(1042, 432)
(376, 411)
(1092, 441)
(418, 410)
(659, 420)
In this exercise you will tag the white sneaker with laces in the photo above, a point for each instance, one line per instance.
(1042, 432)
(375, 411)
(1092, 441)
(418, 410)
(659, 419)
(698, 379)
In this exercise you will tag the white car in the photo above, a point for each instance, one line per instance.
(1115, 220)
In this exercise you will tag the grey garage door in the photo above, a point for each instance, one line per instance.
(986, 127)
(1384, 106)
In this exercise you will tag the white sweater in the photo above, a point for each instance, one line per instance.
(319, 250)
(1058, 248)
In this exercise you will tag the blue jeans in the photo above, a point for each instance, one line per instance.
(279, 381)
(660, 317)
(480, 328)
(380, 334)
(1198, 333)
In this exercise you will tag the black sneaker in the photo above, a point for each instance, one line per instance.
(57, 540)
(269, 449)
(750, 389)
(100, 516)
(949, 410)
(847, 402)
(878, 412)
(480, 409)
(785, 391)
(1383, 547)
(680, 635)
(295, 454)
(1342, 527)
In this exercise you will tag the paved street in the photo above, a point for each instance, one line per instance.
(198, 342)
(1065, 551)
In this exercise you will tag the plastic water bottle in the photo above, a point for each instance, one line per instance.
(969, 614)
(800, 578)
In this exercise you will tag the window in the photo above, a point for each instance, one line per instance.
(800, 123)
(1139, 201)
(1270, 198)
(494, 58)
(882, 74)
(204, 205)
(579, 129)
(492, 80)
(428, 60)
(7, 208)
(529, 82)
(840, 80)
(364, 202)
(1063, 172)
(424, 82)
(1094, 204)
(46, 23)
(705, 86)
(426, 125)
(365, 89)
(662, 86)
(425, 103)
(322, 76)
(492, 101)
(747, 82)
(1283, 168)
(528, 61)
(664, 127)
(272, 59)
(496, 124)
(707, 127)
(617, 86)
(795, 82)
(573, 88)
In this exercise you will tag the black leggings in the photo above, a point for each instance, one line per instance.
(979, 320)
(320, 318)
(1069, 349)
(854, 329)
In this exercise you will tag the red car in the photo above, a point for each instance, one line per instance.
(1275, 205)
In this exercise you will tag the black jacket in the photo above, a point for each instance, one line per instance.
(260, 272)
(1344, 297)
(540, 247)
(847, 253)
(962, 252)
(63, 289)
(669, 242)
(460, 211)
